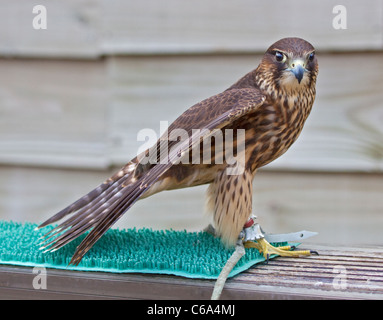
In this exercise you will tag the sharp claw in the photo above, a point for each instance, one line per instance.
(267, 258)
(314, 252)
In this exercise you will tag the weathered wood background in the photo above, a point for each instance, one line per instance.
(74, 96)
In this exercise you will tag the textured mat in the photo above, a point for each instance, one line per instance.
(187, 254)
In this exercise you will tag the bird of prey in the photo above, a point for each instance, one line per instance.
(269, 106)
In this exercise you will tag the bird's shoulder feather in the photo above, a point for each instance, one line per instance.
(219, 110)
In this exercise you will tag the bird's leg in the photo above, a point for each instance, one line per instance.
(250, 237)
(253, 237)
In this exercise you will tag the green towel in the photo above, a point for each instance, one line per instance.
(181, 253)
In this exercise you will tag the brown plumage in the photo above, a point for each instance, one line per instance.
(270, 104)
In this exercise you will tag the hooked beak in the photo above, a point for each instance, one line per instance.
(297, 67)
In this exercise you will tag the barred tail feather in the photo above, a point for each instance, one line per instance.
(80, 203)
(87, 210)
(99, 209)
(129, 196)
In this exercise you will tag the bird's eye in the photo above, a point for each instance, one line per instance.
(279, 56)
(311, 56)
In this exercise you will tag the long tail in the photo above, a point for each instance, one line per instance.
(99, 209)
(103, 206)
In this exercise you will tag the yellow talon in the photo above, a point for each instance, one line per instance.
(267, 249)
(288, 248)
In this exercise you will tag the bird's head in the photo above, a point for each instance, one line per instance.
(289, 65)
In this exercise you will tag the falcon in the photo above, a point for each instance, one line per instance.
(264, 112)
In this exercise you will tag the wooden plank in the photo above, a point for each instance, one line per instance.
(71, 31)
(53, 113)
(324, 271)
(282, 278)
(93, 28)
(87, 114)
(217, 26)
